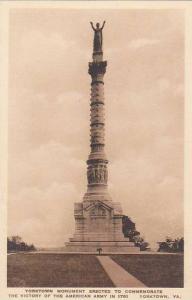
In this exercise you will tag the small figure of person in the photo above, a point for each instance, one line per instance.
(98, 38)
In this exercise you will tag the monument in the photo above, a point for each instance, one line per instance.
(98, 220)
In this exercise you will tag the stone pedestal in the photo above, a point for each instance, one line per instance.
(99, 225)
(98, 220)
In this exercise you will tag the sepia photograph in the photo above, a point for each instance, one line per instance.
(96, 102)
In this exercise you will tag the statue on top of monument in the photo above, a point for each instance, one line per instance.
(98, 38)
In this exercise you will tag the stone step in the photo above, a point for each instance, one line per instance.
(107, 247)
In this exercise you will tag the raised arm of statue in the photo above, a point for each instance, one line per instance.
(103, 25)
(92, 26)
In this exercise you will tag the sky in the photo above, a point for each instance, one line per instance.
(49, 92)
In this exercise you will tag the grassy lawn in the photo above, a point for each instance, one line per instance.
(55, 270)
(76, 270)
(154, 270)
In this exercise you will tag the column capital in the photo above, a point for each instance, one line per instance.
(96, 68)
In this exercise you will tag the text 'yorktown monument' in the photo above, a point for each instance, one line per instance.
(98, 220)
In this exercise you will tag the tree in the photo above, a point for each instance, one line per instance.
(171, 245)
(181, 245)
(141, 243)
(15, 244)
(128, 227)
(129, 230)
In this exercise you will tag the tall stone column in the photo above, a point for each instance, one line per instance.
(97, 173)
